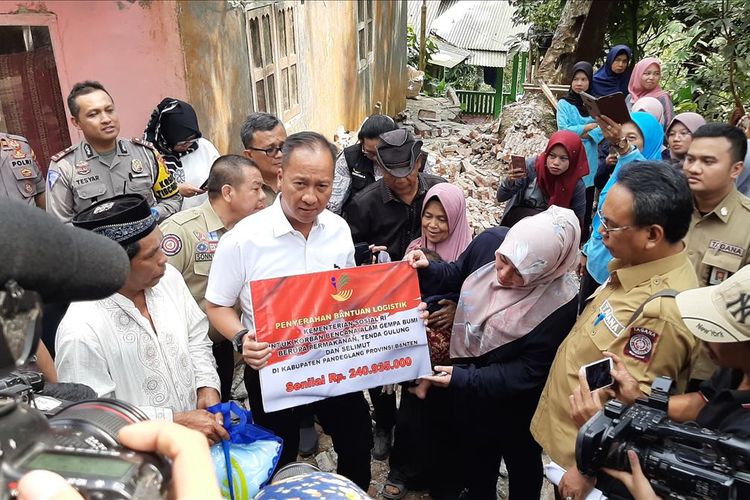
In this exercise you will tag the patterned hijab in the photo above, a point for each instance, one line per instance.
(452, 199)
(544, 250)
(172, 121)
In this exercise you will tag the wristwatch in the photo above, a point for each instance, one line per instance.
(237, 340)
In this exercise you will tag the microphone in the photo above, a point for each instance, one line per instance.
(60, 262)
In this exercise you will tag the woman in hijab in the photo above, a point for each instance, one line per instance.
(651, 106)
(572, 115)
(639, 139)
(173, 130)
(614, 76)
(555, 177)
(445, 228)
(513, 314)
(680, 135)
(644, 82)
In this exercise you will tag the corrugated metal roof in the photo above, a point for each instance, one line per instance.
(447, 55)
(489, 58)
(414, 13)
(477, 25)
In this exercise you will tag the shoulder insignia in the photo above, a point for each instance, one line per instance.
(59, 156)
(185, 216)
(18, 138)
(171, 245)
(745, 201)
(141, 142)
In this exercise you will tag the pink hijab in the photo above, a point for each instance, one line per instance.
(652, 106)
(635, 88)
(459, 232)
(544, 250)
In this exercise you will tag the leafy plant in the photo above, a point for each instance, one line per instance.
(412, 47)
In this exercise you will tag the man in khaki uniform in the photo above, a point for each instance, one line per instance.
(20, 176)
(104, 165)
(263, 135)
(644, 218)
(718, 242)
(190, 238)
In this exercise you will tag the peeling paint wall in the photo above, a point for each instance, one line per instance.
(332, 89)
(133, 48)
(218, 70)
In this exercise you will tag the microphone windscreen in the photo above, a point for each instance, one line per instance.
(60, 262)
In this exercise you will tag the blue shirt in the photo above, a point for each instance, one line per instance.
(568, 118)
(597, 255)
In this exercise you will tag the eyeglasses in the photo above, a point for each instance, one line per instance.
(270, 152)
(607, 230)
(679, 134)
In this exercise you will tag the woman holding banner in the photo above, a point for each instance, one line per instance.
(502, 346)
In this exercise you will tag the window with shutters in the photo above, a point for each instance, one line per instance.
(364, 32)
(273, 59)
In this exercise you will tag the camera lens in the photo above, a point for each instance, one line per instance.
(95, 423)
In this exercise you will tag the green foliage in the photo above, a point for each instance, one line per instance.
(412, 47)
(464, 77)
(704, 45)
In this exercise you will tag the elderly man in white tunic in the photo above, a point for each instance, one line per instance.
(148, 343)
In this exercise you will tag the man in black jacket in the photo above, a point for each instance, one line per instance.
(355, 166)
(388, 212)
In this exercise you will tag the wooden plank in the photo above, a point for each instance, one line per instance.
(548, 93)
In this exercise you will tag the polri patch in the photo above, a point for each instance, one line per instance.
(171, 245)
(641, 344)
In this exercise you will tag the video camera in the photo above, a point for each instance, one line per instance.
(80, 441)
(681, 461)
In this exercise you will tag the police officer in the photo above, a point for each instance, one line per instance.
(104, 165)
(718, 242)
(235, 190)
(644, 218)
(20, 176)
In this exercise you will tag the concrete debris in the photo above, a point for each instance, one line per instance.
(326, 460)
(475, 156)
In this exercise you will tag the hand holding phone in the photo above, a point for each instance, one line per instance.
(517, 167)
(599, 374)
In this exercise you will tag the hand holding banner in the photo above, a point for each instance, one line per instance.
(339, 331)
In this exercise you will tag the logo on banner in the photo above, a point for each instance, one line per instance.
(342, 294)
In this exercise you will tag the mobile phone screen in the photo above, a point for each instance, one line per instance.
(598, 374)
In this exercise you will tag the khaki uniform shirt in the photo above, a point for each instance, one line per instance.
(190, 240)
(656, 344)
(78, 177)
(718, 245)
(20, 176)
(270, 195)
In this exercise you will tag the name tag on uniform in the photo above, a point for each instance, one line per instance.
(717, 275)
(613, 325)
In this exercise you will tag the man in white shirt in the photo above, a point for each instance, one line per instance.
(295, 235)
(148, 343)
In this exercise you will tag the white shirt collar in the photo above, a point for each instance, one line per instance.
(281, 224)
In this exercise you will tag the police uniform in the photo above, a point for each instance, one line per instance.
(718, 245)
(79, 177)
(20, 176)
(656, 343)
(190, 240)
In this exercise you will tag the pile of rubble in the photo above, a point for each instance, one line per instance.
(475, 157)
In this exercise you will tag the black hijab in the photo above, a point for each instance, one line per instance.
(171, 122)
(573, 97)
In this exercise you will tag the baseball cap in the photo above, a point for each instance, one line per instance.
(719, 313)
(398, 152)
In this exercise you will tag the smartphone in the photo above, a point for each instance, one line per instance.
(518, 163)
(598, 374)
